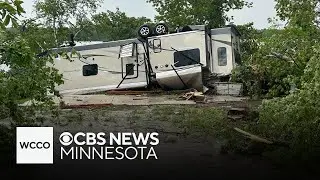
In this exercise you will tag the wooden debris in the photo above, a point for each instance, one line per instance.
(197, 96)
(253, 137)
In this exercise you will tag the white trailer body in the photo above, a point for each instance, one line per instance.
(175, 61)
(102, 67)
(225, 50)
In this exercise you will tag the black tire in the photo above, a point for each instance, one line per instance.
(161, 29)
(145, 31)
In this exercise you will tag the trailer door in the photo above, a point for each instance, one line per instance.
(222, 54)
(129, 61)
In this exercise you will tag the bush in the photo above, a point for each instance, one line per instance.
(295, 119)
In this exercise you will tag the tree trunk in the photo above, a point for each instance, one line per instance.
(55, 32)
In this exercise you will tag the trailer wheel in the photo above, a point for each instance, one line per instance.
(161, 29)
(145, 31)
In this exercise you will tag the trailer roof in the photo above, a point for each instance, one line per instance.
(226, 30)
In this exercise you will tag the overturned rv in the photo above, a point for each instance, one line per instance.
(177, 60)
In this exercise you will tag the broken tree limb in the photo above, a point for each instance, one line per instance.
(253, 137)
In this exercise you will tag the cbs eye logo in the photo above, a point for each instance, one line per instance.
(66, 138)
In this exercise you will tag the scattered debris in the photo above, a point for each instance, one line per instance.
(237, 113)
(196, 96)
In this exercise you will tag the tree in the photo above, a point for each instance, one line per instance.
(295, 118)
(187, 12)
(40, 38)
(85, 30)
(58, 13)
(290, 56)
(282, 53)
(303, 14)
(248, 74)
(117, 25)
(8, 12)
(28, 77)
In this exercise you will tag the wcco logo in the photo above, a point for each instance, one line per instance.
(34, 145)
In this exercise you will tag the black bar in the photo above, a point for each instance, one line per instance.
(179, 77)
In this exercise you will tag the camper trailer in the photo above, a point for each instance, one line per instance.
(170, 60)
(103, 66)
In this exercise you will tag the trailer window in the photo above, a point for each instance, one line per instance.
(222, 56)
(130, 69)
(187, 57)
(90, 70)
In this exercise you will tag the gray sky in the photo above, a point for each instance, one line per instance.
(259, 13)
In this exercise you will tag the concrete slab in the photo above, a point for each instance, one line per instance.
(121, 100)
(213, 99)
(134, 100)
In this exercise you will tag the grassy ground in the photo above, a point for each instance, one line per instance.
(193, 122)
(186, 119)
(176, 124)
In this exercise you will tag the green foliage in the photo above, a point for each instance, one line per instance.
(117, 25)
(28, 77)
(279, 59)
(8, 12)
(248, 73)
(61, 11)
(41, 38)
(279, 55)
(106, 26)
(187, 12)
(249, 40)
(302, 14)
(85, 30)
(58, 13)
(296, 118)
(286, 58)
(253, 81)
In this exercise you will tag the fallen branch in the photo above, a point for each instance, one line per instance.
(253, 137)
